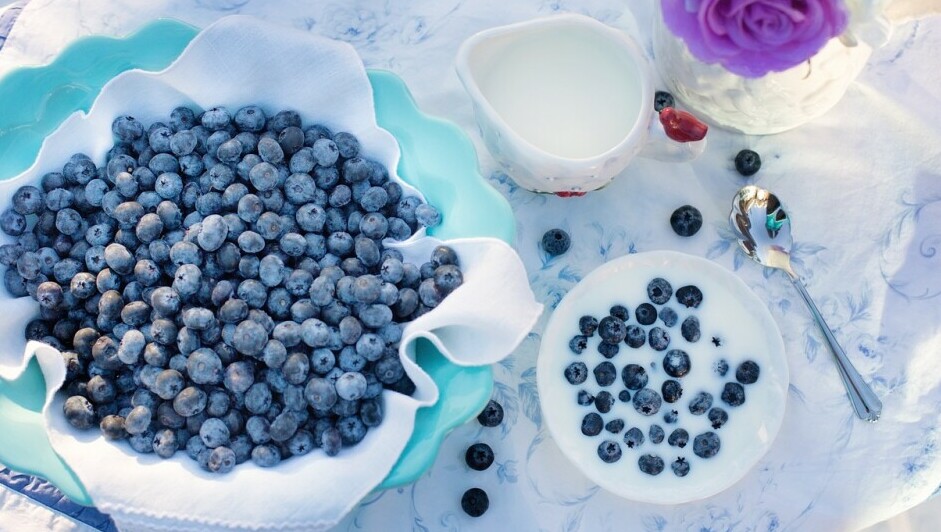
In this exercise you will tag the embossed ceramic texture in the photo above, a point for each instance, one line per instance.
(431, 149)
(773, 103)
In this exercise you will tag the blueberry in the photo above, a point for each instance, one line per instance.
(635, 336)
(624, 396)
(733, 394)
(347, 144)
(183, 142)
(475, 502)
(633, 438)
(614, 426)
(79, 412)
(578, 344)
(659, 339)
(700, 403)
(689, 296)
(676, 363)
(49, 295)
(479, 456)
(447, 278)
(127, 128)
(216, 118)
(686, 221)
(668, 316)
(608, 350)
(351, 386)
(605, 374)
(492, 414)
(747, 162)
(662, 100)
(250, 118)
(659, 290)
(647, 402)
(717, 417)
(706, 445)
(656, 434)
(690, 329)
(587, 325)
(672, 390)
(267, 455)
(609, 451)
(612, 330)
(646, 314)
(671, 416)
(650, 464)
(556, 242)
(721, 367)
(678, 438)
(320, 394)
(747, 372)
(576, 373)
(190, 401)
(620, 312)
(604, 401)
(634, 377)
(28, 200)
(584, 398)
(680, 467)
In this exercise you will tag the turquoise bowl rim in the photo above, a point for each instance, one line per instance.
(437, 157)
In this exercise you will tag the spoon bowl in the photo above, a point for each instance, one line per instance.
(763, 229)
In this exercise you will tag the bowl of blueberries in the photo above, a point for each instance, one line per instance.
(663, 377)
(224, 266)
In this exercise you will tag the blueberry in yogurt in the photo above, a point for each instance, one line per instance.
(633, 438)
(604, 401)
(659, 291)
(612, 330)
(605, 374)
(658, 339)
(690, 329)
(609, 451)
(747, 372)
(733, 394)
(671, 390)
(680, 467)
(576, 373)
(676, 363)
(635, 336)
(646, 314)
(700, 403)
(717, 417)
(678, 438)
(592, 424)
(620, 312)
(650, 464)
(634, 377)
(689, 296)
(647, 402)
(706, 445)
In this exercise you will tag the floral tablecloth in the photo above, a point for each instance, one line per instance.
(863, 187)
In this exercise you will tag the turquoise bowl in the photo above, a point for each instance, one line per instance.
(436, 157)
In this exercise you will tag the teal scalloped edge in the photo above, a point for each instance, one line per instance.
(444, 169)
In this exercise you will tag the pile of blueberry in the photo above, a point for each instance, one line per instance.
(220, 285)
(654, 323)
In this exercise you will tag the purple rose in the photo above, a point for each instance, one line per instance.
(753, 37)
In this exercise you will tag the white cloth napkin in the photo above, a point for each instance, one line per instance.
(235, 62)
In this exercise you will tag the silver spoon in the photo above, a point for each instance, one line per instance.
(764, 235)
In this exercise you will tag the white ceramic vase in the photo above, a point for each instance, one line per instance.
(773, 103)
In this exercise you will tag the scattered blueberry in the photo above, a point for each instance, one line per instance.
(624, 396)
(633, 438)
(592, 424)
(634, 377)
(721, 367)
(680, 467)
(578, 344)
(717, 417)
(556, 242)
(614, 426)
(733, 394)
(671, 390)
(588, 325)
(576, 372)
(676, 363)
(475, 502)
(700, 403)
(650, 464)
(479, 456)
(659, 291)
(662, 100)
(747, 372)
(668, 316)
(670, 417)
(647, 402)
(620, 312)
(686, 221)
(690, 329)
(609, 451)
(585, 398)
(689, 296)
(656, 434)
(608, 350)
(646, 314)
(678, 438)
(747, 162)
(612, 330)
(491, 415)
(659, 339)
(635, 336)
(604, 401)
(706, 445)
(605, 374)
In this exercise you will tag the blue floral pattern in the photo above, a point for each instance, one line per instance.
(873, 265)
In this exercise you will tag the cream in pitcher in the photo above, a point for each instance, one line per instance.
(564, 103)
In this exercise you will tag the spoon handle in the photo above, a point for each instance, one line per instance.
(865, 402)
